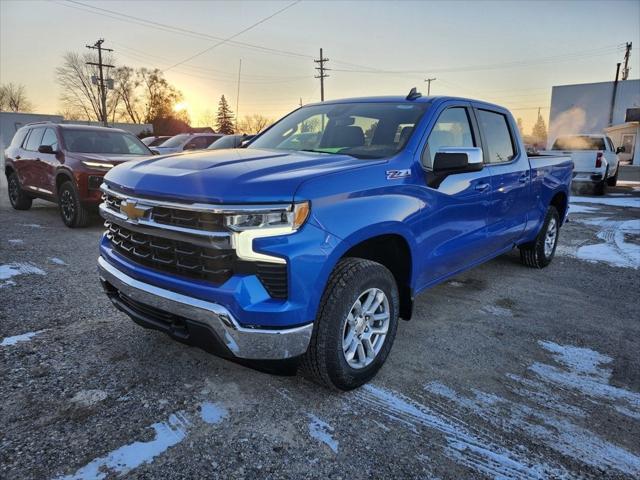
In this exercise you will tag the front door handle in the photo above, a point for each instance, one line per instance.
(18, 157)
(481, 187)
(524, 178)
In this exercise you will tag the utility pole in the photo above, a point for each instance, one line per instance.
(613, 94)
(238, 96)
(429, 80)
(322, 75)
(627, 54)
(101, 81)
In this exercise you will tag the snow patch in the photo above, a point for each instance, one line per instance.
(16, 241)
(25, 337)
(57, 261)
(322, 431)
(19, 268)
(468, 445)
(455, 283)
(31, 225)
(7, 283)
(633, 202)
(497, 311)
(212, 413)
(582, 209)
(88, 398)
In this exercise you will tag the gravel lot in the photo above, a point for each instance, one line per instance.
(503, 372)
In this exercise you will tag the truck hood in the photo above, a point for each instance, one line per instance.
(227, 176)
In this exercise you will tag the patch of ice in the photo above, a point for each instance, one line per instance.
(581, 209)
(7, 283)
(470, 446)
(455, 283)
(322, 431)
(57, 261)
(25, 337)
(31, 225)
(88, 398)
(16, 241)
(124, 459)
(212, 413)
(633, 202)
(19, 268)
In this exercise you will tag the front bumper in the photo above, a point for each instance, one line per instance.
(197, 322)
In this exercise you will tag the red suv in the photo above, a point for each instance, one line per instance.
(65, 164)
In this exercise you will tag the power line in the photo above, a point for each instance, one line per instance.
(321, 73)
(225, 40)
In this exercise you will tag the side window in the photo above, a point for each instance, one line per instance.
(33, 142)
(497, 136)
(201, 142)
(452, 129)
(19, 137)
(49, 138)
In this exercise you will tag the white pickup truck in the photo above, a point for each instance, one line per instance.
(594, 158)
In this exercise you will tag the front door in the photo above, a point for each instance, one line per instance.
(454, 217)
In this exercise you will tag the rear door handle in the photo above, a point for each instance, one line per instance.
(481, 187)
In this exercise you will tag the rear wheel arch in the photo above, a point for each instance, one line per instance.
(560, 202)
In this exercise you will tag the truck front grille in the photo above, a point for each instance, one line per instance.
(192, 261)
(172, 256)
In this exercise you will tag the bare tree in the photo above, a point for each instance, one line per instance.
(79, 92)
(14, 98)
(254, 123)
(126, 83)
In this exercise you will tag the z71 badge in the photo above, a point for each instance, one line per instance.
(395, 174)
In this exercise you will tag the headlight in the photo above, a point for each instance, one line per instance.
(102, 165)
(293, 218)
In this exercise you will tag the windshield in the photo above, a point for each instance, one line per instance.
(103, 141)
(363, 130)
(583, 142)
(176, 141)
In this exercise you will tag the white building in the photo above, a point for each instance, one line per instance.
(592, 108)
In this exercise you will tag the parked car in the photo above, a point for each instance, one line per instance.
(594, 157)
(65, 164)
(274, 252)
(230, 141)
(186, 141)
(155, 140)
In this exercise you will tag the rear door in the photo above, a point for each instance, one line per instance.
(454, 218)
(28, 167)
(510, 172)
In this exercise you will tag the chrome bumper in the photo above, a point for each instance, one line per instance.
(247, 343)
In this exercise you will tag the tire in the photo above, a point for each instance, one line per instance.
(74, 214)
(325, 360)
(539, 253)
(613, 181)
(19, 199)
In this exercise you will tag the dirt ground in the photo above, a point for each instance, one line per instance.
(504, 372)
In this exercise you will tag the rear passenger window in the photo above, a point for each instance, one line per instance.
(452, 129)
(497, 136)
(33, 142)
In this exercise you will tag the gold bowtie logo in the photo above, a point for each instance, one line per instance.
(132, 210)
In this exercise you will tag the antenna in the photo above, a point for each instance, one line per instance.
(413, 94)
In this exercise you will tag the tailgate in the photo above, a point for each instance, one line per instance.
(584, 160)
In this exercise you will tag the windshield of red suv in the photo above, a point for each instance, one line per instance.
(104, 142)
(362, 130)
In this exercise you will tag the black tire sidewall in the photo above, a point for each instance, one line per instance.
(64, 187)
(543, 259)
(341, 373)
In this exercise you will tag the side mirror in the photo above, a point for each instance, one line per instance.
(46, 149)
(452, 160)
(620, 150)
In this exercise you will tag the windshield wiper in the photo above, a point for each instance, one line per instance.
(316, 151)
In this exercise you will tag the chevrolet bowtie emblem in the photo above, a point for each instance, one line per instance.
(131, 209)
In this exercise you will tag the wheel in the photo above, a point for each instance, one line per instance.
(19, 199)
(540, 252)
(73, 213)
(355, 327)
(612, 181)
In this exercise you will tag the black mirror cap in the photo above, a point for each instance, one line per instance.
(46, 149)
(620, 150)
(454, 162)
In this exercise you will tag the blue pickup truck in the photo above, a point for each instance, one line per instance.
(315, 239)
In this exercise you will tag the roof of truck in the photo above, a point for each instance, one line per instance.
(403, 99)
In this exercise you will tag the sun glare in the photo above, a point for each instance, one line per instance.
(179, 107)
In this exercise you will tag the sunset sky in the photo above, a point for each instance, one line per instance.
(510, 53)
